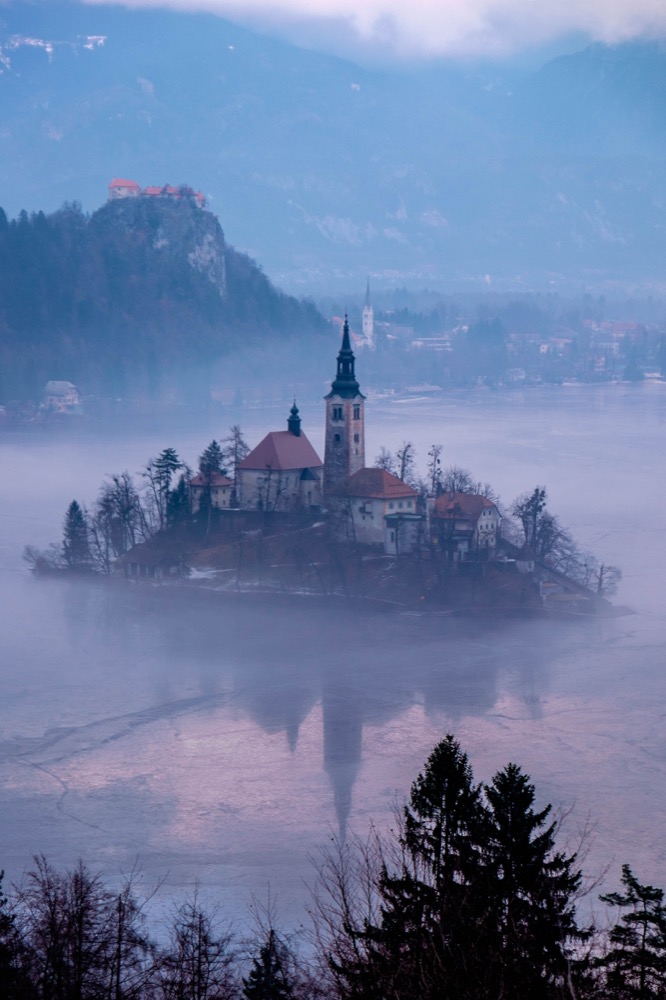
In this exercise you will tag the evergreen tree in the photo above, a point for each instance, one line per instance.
(75, 543)
(179, 506)
(211, 460)
(426, 943)
(635, 965)
(269, 977)
(159, 474)
(530, 888)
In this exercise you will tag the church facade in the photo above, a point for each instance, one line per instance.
(283, 473)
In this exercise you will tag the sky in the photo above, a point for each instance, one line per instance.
(429, 28)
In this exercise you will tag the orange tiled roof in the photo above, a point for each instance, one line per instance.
(375, 484)
(119, 182)
(466, 506)
(282, 451)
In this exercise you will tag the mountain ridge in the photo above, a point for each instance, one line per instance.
(326, 171)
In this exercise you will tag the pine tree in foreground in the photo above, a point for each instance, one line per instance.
(269, 977)
(634, 967)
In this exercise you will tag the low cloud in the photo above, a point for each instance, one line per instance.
(423, 28)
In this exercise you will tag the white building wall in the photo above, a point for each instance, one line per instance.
(264, 489)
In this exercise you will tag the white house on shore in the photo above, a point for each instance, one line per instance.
(379, 509)
(61, 397)
(220, 487)
(465, 524)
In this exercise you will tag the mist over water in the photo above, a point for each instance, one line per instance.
(225, 738)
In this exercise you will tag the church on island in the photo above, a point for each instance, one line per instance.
(370, 506)
(284, 472)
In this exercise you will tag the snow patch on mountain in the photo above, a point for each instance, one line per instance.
(16, 42)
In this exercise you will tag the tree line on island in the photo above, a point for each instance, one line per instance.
(130, 510)
(468, 898)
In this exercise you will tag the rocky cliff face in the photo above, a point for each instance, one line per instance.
(176, 230)
(132, 297)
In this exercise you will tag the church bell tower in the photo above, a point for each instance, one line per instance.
(345, 420)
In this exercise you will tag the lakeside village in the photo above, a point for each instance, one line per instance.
(278, 519)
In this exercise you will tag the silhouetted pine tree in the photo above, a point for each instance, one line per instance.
(634, 967)
(75, 542)
(427, 943)
(269, 977)
(530, 889)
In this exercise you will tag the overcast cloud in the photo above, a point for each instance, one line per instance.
(440, 27)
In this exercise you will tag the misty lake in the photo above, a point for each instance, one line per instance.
(225, 739)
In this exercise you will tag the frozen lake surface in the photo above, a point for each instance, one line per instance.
(225, 740)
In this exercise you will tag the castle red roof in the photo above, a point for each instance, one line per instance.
(282, 451)
(375, 484)
(152, 191)
(464, 506)
(119, 182)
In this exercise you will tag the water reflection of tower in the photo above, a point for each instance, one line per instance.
(343, 736)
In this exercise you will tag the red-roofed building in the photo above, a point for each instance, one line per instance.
(121, 188)
(465, 524)
(220, 490)
(283, 472)
(382, 509)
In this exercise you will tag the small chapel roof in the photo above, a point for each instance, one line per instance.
(465, 506)
(282, 451)
(375, 484)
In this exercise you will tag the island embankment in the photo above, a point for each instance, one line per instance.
(254, 557)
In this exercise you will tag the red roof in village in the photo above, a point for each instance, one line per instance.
(375, 484)
(119, 182)
(282, 451)
(216, 479)
(466, 506)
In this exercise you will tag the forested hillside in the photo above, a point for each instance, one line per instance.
(121, 299)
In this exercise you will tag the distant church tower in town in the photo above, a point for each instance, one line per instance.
(345, 420)
(368, 320)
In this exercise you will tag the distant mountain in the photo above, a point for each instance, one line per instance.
(325, 171)
(135, 299)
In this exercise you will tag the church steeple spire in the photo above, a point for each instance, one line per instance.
(345, 426)
(294, 421)
(345, 384)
